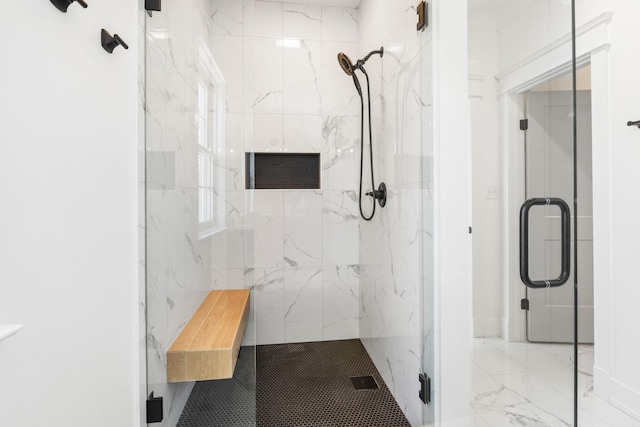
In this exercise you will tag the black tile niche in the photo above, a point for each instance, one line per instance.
(282, 171)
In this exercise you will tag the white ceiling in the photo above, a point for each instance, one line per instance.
(342, 3)
(503, 10)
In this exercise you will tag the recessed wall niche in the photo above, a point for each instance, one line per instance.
(282, 171)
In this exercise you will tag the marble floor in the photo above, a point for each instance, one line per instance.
(526, 384)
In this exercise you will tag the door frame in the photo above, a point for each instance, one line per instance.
(592, 47)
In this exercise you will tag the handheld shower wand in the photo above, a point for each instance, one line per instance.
(349, 68)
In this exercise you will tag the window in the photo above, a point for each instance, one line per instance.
(211, 146)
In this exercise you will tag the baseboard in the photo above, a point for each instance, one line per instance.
(616, 393)
(624, 398)
(485, 328)
(601, 383)
(505, 329)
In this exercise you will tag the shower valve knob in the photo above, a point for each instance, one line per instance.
(380, 194)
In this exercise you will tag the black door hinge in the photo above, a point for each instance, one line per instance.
(423, 16)
(155, 412)
(524, 304)
(425, 388)
(153, 5)
(524, 124)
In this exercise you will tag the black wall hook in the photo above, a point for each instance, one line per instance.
(110, 42)
(63, 5)
(634, 124)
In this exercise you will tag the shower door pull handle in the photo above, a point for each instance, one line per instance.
(565, 242)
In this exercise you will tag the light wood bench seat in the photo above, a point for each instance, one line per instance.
(208, 346)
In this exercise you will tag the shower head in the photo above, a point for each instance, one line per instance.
(347, 67)
(345, 63)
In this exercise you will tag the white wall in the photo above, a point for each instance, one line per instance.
(486, 176)
(68, 207)
(452, 211)
(617, 346)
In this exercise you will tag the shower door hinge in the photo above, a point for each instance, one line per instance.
(524, 304)
(425, 388)
(524, 124)
(155, 412)
(423, 16)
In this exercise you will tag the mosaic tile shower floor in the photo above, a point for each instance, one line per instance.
(298, 385)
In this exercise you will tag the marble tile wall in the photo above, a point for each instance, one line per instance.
(396, 276)
(301, 247)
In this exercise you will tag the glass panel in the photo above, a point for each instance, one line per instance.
(427, 254)
(521, 86)
(196, 78)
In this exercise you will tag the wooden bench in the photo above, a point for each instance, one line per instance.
(208, 346)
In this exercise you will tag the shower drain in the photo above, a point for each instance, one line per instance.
(364, 383)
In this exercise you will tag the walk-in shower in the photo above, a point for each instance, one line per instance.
(350, 68)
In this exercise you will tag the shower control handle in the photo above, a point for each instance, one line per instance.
(380, 194)
(565, 243)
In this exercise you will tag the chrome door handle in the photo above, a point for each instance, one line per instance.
(524, 242)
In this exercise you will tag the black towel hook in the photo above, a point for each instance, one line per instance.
(634, 124)
(110, 42)
(63, 5)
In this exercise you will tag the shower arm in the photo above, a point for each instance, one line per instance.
(360, 62)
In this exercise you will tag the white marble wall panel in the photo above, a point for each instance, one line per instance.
(228, 52)
(340, 228)
(339, 24)
(340, 302)
(227, 278)
(265, 244)
(227, 243)
(235, 131)
(303, 312)
(227, 18)
(177, 21)
(269, 299)
(268, 76)
(340, 153)
(302, 89)
(303, 228)
(302, 133)
(155, 95)
(268, 19)
(302, 21)
(267, 133)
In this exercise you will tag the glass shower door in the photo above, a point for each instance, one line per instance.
(548, 232)
(528, 375)
(196, 78)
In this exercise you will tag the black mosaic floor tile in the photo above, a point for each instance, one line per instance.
(298, 385)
